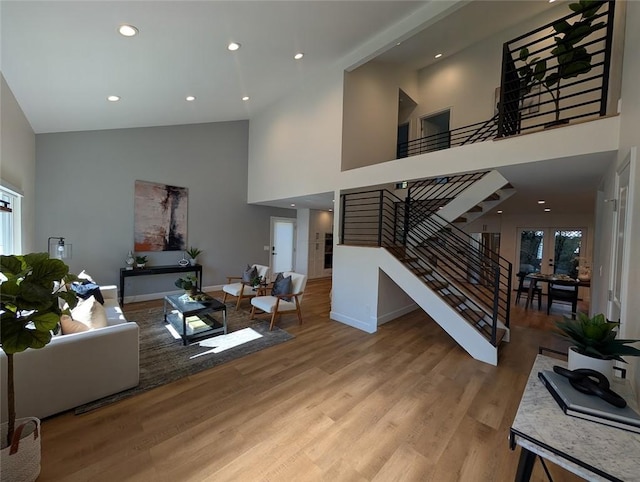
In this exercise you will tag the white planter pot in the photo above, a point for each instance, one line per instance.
(577, 360)
(21, 461)
(192, 261)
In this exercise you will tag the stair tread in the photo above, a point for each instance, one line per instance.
(453, 299)
(472, 315)
(421, 271)
(437, 285)
(500, 333)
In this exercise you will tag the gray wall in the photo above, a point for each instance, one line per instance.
(85, 192)
(18, 160)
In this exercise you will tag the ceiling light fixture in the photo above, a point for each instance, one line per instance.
(245, 98)
(500, 211)
(438, 56)
(541, 201)
(128, 30)
(546, 210)
(113, 98)
(233, 46)
(298, 56)
(190, 98)
(293, 205)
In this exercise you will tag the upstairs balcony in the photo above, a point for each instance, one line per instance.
(559, 72)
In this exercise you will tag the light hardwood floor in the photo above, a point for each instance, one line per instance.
(405, 403)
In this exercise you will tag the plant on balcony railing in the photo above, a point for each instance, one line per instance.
(571, 59)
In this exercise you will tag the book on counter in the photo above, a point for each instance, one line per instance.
(588, 407)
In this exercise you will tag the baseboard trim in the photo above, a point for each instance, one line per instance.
(397, 313)
(348, 320)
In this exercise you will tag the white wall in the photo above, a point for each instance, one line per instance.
(629, 137)
(295, 146)
(371, 95)
(18, 160)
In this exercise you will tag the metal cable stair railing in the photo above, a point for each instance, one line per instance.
(380, 218)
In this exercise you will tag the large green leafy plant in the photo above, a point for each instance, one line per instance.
(571, 60)
(31, 286)
(596, 337)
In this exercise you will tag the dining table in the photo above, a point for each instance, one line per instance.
(534, 278)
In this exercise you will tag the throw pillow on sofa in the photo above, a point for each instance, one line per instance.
(90, 312)
(69, 325)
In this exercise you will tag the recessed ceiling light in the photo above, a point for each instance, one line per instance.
(190, 98)
(293, 205)
(551, 1)
(298, 56)
(330, 210)
(128, 30)
(233, 46)
(546, 210)
(541, 201)
(500, 211)
(113, 98)
(398, 43)
(245, 98)
(438, 56)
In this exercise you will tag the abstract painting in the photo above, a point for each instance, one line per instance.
(160, 217)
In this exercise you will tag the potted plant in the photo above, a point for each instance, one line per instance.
(29, 312)
(141, 260)
(189, 283)
(595, 344)
(193, 254)
(571, 60)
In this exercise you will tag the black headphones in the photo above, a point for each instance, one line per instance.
(591, 382)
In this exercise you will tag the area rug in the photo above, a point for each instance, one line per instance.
(163, 359)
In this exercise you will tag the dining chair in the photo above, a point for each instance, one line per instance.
(565, 291)
(523, 287)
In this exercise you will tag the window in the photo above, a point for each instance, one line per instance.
(10, 221)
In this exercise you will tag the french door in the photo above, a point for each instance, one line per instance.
(551, 250)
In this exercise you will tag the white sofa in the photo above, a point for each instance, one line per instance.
(77, 368)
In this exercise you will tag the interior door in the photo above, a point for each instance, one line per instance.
(615, 297)
(282, 244)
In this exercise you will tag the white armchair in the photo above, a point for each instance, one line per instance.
(242, 290)
(279, 304)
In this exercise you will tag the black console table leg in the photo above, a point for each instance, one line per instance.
(525, 465)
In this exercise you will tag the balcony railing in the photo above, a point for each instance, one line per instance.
(551, 76)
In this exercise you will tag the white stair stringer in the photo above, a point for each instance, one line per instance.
(467, 336)
(475, 194)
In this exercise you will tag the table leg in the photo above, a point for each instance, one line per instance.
(525, 465)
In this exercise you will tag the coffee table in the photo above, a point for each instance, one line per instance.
(194, 319)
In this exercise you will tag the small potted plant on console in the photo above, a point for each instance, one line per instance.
(141, 261)
(193, 254)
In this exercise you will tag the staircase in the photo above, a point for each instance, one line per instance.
(464, 289)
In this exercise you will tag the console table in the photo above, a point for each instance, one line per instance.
(589, 449)
(127, 273)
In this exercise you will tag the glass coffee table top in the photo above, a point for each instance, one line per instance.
(195, 318)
